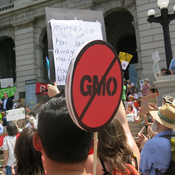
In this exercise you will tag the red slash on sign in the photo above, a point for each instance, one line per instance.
(96, 85)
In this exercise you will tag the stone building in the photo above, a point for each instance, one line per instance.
(23, 36)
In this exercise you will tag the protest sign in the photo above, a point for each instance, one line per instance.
(155, 56)
(125, 58)
(10, 91)
(67, 37)
(93, 95)
(41, 89)
(15, 114)
(91, 20)
(130, 117)
(156, 70)
(151, 98)
(6, 82)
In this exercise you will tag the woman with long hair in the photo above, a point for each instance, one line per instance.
(114, 154)
(27, 158)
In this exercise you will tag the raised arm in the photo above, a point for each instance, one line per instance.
(121, 117)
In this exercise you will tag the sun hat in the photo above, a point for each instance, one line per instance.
(32, 119)
(131, 96)
(168, 99)
(165, 115)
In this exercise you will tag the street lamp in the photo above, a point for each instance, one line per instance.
(164, 19)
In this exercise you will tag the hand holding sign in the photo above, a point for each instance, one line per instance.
(94, 86)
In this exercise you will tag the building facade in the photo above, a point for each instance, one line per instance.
(23, 36)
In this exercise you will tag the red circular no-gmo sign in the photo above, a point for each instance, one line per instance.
(96, 86)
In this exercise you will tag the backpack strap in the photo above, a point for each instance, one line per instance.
(159, 173)
(169, 138)
(104, 168)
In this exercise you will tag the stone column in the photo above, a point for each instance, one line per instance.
(25, 54)
(40, 67)
(139, 65)
(165, 86)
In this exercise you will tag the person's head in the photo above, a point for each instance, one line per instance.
(3, 114)
(152, 90)
(167, 99)
(131, 98)
(5, 95)
(12, 129)
(27, 108)
(132, 92)
(165, 117)
(129, 107)
(129, 82)
(113, 146)
(27, 158)
(32, 120)
(145, 81)
(58, 137)
(163, 70)
(129, 88)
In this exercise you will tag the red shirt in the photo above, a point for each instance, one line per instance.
(134, 171)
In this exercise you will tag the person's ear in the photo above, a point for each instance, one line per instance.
(37, 142)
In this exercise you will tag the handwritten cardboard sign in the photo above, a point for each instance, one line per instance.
(67, 37)
(15, 114)
(6, 82)
(155, 56)
(130, 117)
(151, 98)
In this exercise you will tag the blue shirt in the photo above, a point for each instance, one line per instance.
(156, 154)
(1, 129)
(172, 65)
(4, 104)
(5, 122)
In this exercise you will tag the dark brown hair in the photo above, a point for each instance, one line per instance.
(113, 146)
(28, 159)
(12, 129)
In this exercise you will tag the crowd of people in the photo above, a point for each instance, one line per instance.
(50, 142)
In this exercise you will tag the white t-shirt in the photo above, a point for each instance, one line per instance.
(15, 104)
(132, 84)
(30, 126)
(9, 144)
(135, 96)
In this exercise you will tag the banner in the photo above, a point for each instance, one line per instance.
(125, 58)
(41, 87)
(10, 91)
(151, 98)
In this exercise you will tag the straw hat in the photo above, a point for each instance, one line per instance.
(165, 116)
(131, 96)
